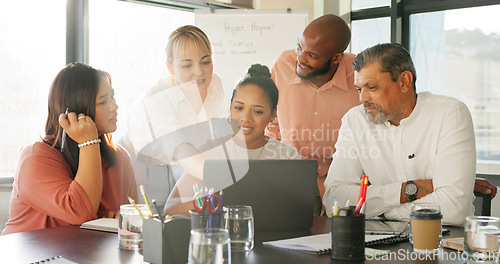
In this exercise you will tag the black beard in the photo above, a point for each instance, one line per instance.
(315, 73)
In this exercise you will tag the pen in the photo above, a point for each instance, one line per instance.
(145, 199)
(153, 201)
(196, 190)
(362, 186)
(212, 200)
(362, 195)
(63, 138)
(336, 207)
(135, 205)
(220, 196)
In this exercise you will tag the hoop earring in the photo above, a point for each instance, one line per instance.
(270, 123)
(229, 119)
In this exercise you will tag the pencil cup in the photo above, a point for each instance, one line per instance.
(130, 226)
(166, 243)
(348, 237)
(206, 220)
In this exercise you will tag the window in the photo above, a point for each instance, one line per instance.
(32, 52)
(457, 53)
(360, 4)
(368, 32)
(128, 40)
(454, 45)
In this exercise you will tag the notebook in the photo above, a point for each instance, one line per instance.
(102, 224)
(321, 244)
(281, 192)
(456, 243)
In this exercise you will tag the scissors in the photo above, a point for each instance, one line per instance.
(206, 204)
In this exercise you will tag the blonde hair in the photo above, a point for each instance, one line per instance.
(181, 36)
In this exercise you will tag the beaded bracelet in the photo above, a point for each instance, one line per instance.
(90, 142)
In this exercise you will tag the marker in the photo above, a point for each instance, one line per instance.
(63, 138)
(146, 199)
(135, 205)
(336, 207)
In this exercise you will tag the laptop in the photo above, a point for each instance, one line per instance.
(281, 192)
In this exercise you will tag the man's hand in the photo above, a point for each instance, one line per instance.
(483, 186)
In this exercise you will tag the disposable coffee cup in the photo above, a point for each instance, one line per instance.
(425, 225)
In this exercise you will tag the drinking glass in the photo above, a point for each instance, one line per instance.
(209, 246)
(206, 220)
(481, 239)
(240, 224)
(130, 226)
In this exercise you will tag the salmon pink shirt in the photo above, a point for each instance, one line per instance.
(44, 195)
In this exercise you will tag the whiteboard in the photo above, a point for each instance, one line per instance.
(242, 37)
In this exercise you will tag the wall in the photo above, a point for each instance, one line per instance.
(315, 8)
(284, 4)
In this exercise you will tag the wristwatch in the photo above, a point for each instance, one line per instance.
(411, 190)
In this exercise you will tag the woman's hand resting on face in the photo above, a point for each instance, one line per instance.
(80, 128)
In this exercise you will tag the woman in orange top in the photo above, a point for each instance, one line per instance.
(75, 173)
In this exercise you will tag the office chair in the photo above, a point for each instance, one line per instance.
(482, 204)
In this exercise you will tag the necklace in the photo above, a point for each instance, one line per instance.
(236, 147)
(261, 150)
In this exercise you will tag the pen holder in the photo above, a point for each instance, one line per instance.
(348, 237)
(206, 220)
(166, 243)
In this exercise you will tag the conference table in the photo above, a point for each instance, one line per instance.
(89, 246)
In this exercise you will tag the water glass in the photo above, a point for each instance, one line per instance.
(481, 239)
(206, 220)
(130, 226)
(240, 224)
(209, 246)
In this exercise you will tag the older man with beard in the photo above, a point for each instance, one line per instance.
(413, 146)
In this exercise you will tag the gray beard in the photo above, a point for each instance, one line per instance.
(381, 116)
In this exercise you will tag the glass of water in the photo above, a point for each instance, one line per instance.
(130, 226)
(209, 246)
(240, 224)
(481, 239)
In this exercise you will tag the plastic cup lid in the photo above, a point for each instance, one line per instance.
(426, 214)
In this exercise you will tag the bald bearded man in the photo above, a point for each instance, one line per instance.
(316, 88)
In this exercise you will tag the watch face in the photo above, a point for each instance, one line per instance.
(410, 189)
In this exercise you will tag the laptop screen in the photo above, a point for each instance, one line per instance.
(281, 192)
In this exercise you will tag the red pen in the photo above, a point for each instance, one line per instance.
(362, 194)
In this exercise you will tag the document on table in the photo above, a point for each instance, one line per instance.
(321, 244)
